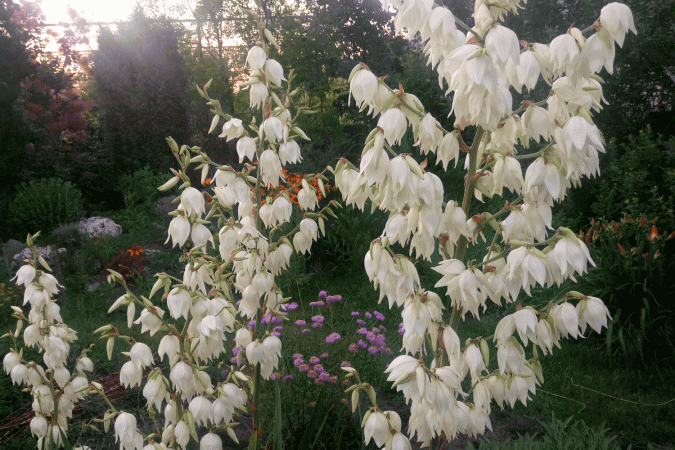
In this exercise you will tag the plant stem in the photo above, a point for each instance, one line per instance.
(256, 405)
(466, 205)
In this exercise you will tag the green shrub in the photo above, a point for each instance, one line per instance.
(634, 259)
(41, 205)
(640, 180)
(140, 188)
(347, 241)
(558, 435)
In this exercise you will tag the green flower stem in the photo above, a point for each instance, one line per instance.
(256, 403)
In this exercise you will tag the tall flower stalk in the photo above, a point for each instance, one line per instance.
(480, 66)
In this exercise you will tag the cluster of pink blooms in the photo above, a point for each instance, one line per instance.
(314, 369)
(375, 336)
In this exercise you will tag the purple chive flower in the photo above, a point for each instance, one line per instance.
(316, 325)
(379, 316)
(383, 329)
(338, 298)
(276, 320)
(303, 368)
(330, 299)
(305, 330)
(300, 323)
(361, 322)
(236, 350)
(275, 333)
(355, 313)
(297, 356)
(333, 338)
(362, 331)
(323, 294)
(298, 362)
(324, 355)
(277, 329)
(353, 348)
(333, 379)
(368, 315)
(274, 376)
(265, 320)
(251, 324)
(401, 331)
(318, 318)
(324, 376)
(288, 378)
(314, 360)
(345, 364)
(312, 373)
(319, 368)
(291, 306)
(362, 344)
(373, 350)
(238, 301)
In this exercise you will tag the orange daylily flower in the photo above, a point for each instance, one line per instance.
(135, 250)
(621, 250)
(654, 234)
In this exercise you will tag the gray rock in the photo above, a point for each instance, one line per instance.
(96, 227)
(50, 255)
(11, 248)
(164, 205)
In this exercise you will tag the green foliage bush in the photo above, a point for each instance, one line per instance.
(635, 260)
(558, 435)
(41, 205)
(347, 240)
(640, 180)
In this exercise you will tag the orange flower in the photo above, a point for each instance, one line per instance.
(646, 256)
(207, 182)
(135, 250)
(621, 250)
(643, 221)
(616, 226)
(654, 234)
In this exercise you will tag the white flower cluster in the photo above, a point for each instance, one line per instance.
(245, 267)
(54, 388)
(481, 67)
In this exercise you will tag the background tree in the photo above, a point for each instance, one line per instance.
(141, 82)
(16, 63)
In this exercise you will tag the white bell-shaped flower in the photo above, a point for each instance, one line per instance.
(271, 168)
(363, 87)
(246, 149)
(192, 201)
(258, 94)
(210, 441)
(274, 72)
(126, 433)
(289, 153)
(592, 311)
(617, 19)
(256, 58)
(232, 129)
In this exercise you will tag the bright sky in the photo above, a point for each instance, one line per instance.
(91, 10)
(56, 11)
